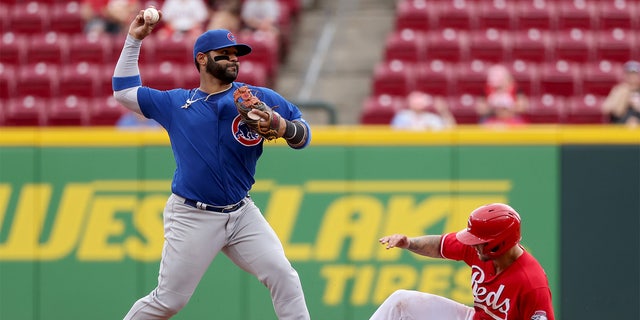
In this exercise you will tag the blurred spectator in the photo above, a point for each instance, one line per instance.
(423, 112)
(503, 102)
(225, 14)
(134, 120)
(623, 102)
(108, 16)
(261, 15)
(184, 17)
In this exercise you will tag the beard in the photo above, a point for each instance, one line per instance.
(226, 72)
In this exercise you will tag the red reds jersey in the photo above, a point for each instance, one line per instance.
(520, 292)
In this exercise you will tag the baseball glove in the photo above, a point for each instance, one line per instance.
(256, 114)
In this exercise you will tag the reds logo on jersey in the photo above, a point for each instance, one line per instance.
(539, 315)
(243, 133)
(491, 302)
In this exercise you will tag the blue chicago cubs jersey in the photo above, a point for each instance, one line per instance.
(215, 152)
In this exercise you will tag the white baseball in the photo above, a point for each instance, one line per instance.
(151, 14)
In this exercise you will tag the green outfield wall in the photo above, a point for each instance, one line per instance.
(81, 217)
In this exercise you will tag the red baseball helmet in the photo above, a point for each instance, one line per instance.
(497, 225)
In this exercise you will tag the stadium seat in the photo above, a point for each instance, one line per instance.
(93, 48)
(253, 73)
(414, 14)
(560, 78)
(470, 78)
(536, 14)
(80, 79)
(25, 111)
(175, 48)
(191, 77)
(50, 47)
(380, 109)
(446, 44)
(13, 49)
(29, 17)
(393, 78)
(67, 111)
(264, 51)
(497, 14)
(585, 109)
(435, 77)
(526, 76)
(617, 14)
(492, 45)
(105, 111)
(66, 18)
(456, 14)
(617, 45)
(598, 79)
(576, 14)
(463, 108)
(39, 80)
(406, 45)
(533, 45)
(165, 75)
(4, 17)
(575, 45)
(7, 80)
(545, 108)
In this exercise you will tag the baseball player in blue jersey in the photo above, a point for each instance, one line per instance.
(215, 151)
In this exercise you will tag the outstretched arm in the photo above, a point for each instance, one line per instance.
(428, 245)
(126, 76)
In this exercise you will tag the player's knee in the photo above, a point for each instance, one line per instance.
(171, 303)
(398, 296)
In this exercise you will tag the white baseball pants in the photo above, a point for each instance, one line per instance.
(416, 305)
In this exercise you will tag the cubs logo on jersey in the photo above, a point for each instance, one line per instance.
(539, 315)
(243, 133)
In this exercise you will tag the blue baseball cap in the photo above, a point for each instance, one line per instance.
(218, 39)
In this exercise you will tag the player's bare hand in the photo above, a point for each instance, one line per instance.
(396, 240)
(141, 28)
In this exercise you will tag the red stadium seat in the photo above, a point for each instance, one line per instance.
(191, 77)
(526, 76)
(463, 108)
(253, 73)
(574, 45)
(66, 18)
(4, 17)
(435, 78)
(491, 45)
(617, 14)
(598, 79)
(105, 111)
(535, 14)
(13, 49)
(576, 14)
(498, 14)
(264, 50)
(561, 78)
(80, 79)
(470, 78)
(617, 45)
(414, 14)
(586, 109)
(29, 17)
(406, 45)
(25, 111)
(50, 47)
(7, 80)
(380, 109)
(459, 15)
(445, 45)
(163, 76)
(531, 45)
(393, 78)
(175, 48)
(92, 48)
(546, 108)
(40, 80)
(68, 111)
